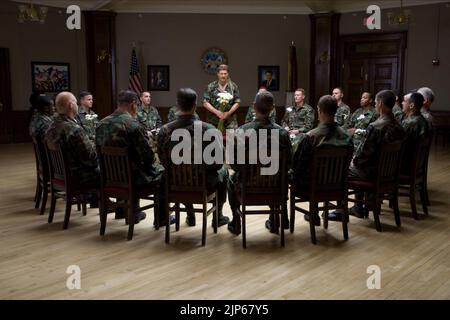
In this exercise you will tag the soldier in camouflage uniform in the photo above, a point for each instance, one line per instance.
(223, 84)
(148, 115)
(73, 139)
(264, 104)
(360, 120)
(251, 115)
(121, 129)
(173, 115)
(384, 130)
(217, 175)
(398, 110)
(87, 118)
(328, 133)
(343, 112)
(42, 118)
(299, 118)
(415, 125)
(428, 96)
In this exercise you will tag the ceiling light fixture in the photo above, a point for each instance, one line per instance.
(31, 13)
(404, 17)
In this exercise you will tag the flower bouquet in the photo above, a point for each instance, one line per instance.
(91, 117)
(224, 99)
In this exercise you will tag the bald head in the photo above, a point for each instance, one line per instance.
(66, 104)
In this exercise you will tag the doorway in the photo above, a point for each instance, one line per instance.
(371, 62)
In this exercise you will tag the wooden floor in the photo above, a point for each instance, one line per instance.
(34, 255)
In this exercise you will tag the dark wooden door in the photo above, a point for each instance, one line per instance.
(6, 135)
(355, 73)
(383, 74)
(371, 62)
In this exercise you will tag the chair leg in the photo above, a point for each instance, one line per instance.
(38, 194)
(216, 214)
(412, 200)
(376, 214)
(204, 224)
(177, 217)
(423, 199)
(167, 204)
(156, 209)
(292, 211)
(78, 205)
(425, 186)
(84, 208)
(52, 208)
(398, 222)
(345, 219)
(44, 199)
(103, 216)
(131, 219)
(67, 214)
(325, 215)
(244, 229)
(282, 224)
(312, 212)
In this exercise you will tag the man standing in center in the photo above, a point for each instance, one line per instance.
(223, 84)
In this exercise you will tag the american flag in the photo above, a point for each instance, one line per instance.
(135, 78)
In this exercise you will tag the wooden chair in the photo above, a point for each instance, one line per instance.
(264, 190)
(117, 181)
(384, 185)
(63, 185)
(425, 185)
(327, 182)
(186, 183)
(42, 174)
(413, 178)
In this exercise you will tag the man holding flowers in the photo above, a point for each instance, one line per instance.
(222, 99)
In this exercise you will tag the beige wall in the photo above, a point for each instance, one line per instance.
(31, 41)
(422, 36)
(179, 40)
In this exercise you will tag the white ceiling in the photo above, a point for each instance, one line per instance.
(230, 6)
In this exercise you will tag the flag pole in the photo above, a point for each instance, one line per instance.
(292, 75)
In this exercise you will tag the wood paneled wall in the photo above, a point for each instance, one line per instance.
(324, 36)
(101, 39)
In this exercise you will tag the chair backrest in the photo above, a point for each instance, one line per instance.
(115, 167)
(254, 182)
(41, 157)
(58, 164)
(185, 177)
(388, 164)
(329, 169)
(422, 150)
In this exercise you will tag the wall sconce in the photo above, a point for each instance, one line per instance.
(323, 58)
(104, 56)
(30, 13)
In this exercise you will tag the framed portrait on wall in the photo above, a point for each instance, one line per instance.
(158, 77)
(50, 77)
(269, 77)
